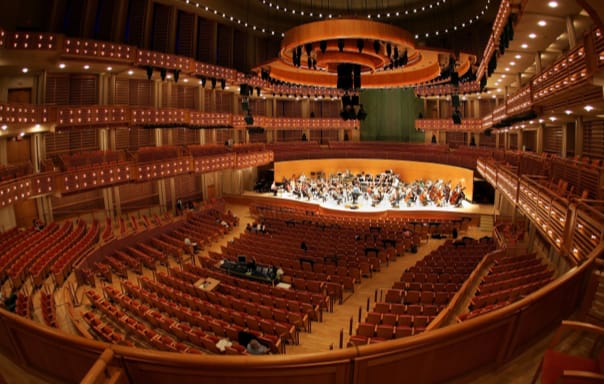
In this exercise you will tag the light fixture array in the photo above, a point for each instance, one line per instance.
(320, 16)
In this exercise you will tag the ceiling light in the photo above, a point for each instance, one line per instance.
(512, 63)
(588, 108)
(552, 4)
(25, 70)
(568, 112)
(62, 65)
(87, 67)
(532, 36)
(518, 57)
(541, 23)
(186, 80)
(507, 69)
(552, 118)
(503, 76)
(109, 69)
(130, 72)
(22, 134)
(524, 46)
(4, 127)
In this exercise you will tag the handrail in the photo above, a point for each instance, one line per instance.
(99, 369)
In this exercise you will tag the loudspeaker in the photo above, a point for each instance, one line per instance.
(455, 100)
(454, 78)
(456, 118)
(243, 91)
(346, 100)
(357, 77)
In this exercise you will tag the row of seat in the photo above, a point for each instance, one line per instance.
(205, 314)
(260, 293)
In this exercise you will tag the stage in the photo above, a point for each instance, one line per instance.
(365, 207)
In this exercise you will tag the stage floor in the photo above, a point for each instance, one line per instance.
(365, 205)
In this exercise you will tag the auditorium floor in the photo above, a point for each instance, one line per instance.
(326, 334)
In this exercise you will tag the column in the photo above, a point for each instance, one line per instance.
(539, 138)
(564, 145)
(570, 31)
(497, 141)
(538, 68)
(579, 136)
(520, 138)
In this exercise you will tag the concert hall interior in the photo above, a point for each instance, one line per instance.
(360, 191)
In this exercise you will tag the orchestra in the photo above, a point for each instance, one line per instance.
(346, 188)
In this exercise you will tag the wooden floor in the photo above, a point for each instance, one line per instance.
(325, 335)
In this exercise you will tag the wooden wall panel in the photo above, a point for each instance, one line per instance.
(456, 139)
(135, 29)
(57, 89)
(513, 137)
(185, 32)
(160, 32)
(57, 142)
(552, 140)
(141, 137)
(323, 136)
(593, 139)
(187, 186)
(529, 140)
(223, 135)
(206, 38)
(135, 92)
(83, 90)
(289, 108)
(288, 135)
(225, 46)
(487, 140)
(122, 138)
(18, 151)
(185, 136)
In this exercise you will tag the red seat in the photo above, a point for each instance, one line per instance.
(559, 367)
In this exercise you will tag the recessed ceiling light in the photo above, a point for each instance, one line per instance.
(130, 72)
(25, 70)
(588, 108)
(512, 63)
(186, 80)
(503, 76)
(552, 4)
(541, 23)
(517, 57)
(22, 134)
(540, 120)
(552, 118)
(62, 65)
(507, 69)
(4, 127)
(532, 36)
(568, 112)
(168, 76)
(524, 46)
(87, 67)
(109, 69)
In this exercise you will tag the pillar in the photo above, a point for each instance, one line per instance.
(539, 138)
(579, 136)
(570, 31)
